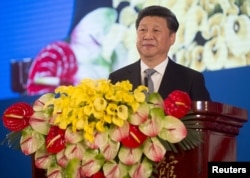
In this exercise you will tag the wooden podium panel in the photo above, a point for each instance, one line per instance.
(218, 124)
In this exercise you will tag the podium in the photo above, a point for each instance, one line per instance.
(218, 124)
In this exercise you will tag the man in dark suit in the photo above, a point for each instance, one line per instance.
(156, 28)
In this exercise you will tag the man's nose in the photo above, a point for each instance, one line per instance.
(148, 35)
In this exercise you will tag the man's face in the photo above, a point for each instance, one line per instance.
(154, 38)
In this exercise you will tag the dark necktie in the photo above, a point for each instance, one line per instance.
(148, 80)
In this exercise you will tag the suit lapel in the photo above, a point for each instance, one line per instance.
(134, 74)
(167, 83)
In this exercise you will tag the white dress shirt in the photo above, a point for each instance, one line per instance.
(157, 76)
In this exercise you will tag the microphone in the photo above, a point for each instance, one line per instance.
(146, 81)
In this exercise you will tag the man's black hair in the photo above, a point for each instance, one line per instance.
(159, 11)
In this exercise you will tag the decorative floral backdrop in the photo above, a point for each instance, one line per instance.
(213, 35)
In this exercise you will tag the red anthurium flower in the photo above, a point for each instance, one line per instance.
(177, 104)
(135, 137)
(17, 116)
(55, 141)
(98, 175)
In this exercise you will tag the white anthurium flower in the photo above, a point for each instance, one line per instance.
(113, 170)
(140, 116)
(156, 100)
(110, 150)
(154, 150)
(42, 102)
(237, 34)
(101, 139)
(73, 137)
(215, 26)
(75, 151)
(229, 7)
(55, 172)
(129, 156)
(31, 141)
(197, 19)
(61, 159)
(43, 160)
(153, 125)
(142, 170)
(91, 164)
(39, 122)
(119, 133)
(173, 130)
(197, 58)
(215, 53)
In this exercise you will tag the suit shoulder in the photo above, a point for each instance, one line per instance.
(126, 69)
(183, 69)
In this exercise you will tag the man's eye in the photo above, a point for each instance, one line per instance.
(142, 29)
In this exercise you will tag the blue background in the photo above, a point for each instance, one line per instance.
(28, 25)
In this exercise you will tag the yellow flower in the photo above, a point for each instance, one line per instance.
(100, 126)
(122, 112)
(100, 104)
(111, 109)
(124, 85)
(139, 93)
(92, 104)
(117, 121)
(88, 109)
(89, 131)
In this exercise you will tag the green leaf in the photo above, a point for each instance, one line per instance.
(12, 140)
(72, 167)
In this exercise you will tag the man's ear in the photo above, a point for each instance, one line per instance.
(172, 38)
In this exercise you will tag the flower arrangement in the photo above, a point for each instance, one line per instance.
(99, 129)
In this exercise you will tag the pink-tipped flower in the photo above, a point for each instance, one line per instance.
(43, 159)
(141, 170)
(130, 156)
(31, 141)
(39, 123)
(173, 130)
(153, 125)
(154, 150)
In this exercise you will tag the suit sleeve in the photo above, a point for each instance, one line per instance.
(199, 91)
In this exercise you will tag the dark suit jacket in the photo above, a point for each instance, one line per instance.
(176, 77)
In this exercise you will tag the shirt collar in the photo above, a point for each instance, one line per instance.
(160, 68)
